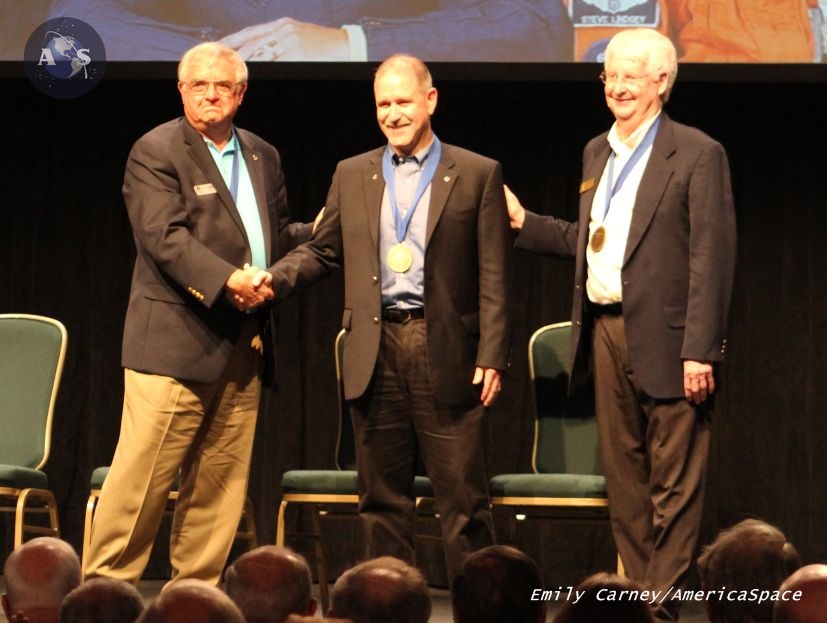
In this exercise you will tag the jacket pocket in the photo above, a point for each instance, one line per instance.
(675, 317)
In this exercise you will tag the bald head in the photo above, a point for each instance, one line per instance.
(39, 574)
(192, 601)
(405, 63)
(383, 590)
(270, 583)
(803, 596)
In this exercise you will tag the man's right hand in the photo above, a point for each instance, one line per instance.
(516, 211)
(249, 287)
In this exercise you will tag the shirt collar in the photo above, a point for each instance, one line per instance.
(229, 148)
(419, 157)
(621, 147)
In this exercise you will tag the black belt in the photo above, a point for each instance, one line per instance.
(612, 309)
(394, 314)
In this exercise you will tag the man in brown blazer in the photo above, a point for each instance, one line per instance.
(655, 258)
(204, 199)
(427, 258)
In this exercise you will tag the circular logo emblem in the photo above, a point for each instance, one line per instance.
(64, 57)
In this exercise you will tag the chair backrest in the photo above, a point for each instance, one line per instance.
(32, 350)
(345, 444)
(565, 436)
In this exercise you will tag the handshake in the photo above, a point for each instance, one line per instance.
(249, 287)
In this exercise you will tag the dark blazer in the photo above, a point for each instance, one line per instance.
(178, 322)
(467, 269)
(679, 263)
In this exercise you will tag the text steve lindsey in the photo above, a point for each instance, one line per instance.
(569, 593)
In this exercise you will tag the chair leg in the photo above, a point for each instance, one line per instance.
(320, 561)
(47, 499)
(280, 523)
(91, 503)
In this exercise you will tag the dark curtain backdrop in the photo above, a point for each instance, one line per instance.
(66, 251)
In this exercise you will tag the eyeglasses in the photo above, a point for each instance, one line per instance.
(611, 79)
(222, 87)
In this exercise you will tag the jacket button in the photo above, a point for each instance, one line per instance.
(375, 320)
(578, 323)
(375, 279)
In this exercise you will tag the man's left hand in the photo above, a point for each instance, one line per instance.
(491, 380)
(698, 380)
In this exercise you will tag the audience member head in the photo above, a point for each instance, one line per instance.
(750, 555)
(192, 601)
(496, 584)
(592, 604)
(102, 600)
(383, 590)
(270, 583)
(38, 575)
(808, 606)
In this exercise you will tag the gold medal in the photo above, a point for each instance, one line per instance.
(598, 238)
(400, 258)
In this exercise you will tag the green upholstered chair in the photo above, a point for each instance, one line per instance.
(325, 490)
(32, 351)
(566, 468)
(246, 529)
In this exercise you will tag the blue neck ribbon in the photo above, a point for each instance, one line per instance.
(428, 170)
(637, 154)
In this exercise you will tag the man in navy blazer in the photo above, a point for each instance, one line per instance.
(421, 230)
(207, 204)
(655, 257)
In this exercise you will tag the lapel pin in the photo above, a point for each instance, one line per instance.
(447, 178)
(375, 176)
(255, 156)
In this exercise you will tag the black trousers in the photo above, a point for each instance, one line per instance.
(396, 415)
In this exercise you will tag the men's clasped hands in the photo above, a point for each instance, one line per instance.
(249, 287)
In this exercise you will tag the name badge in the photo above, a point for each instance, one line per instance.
(204, 189)
(587, 185)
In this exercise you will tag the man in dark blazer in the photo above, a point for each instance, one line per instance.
(427, 259)
(655, 256)
(204, 199)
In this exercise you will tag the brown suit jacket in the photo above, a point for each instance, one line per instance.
(178, 322)
(679, 263)
(467, 269)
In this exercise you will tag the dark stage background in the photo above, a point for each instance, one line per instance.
(66, 251)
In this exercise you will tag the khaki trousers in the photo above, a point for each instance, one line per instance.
(205, 433)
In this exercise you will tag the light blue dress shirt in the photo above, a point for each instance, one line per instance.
(405, 290)
(245, 201)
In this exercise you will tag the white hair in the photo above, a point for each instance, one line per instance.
(655, 50)
(210, 52)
